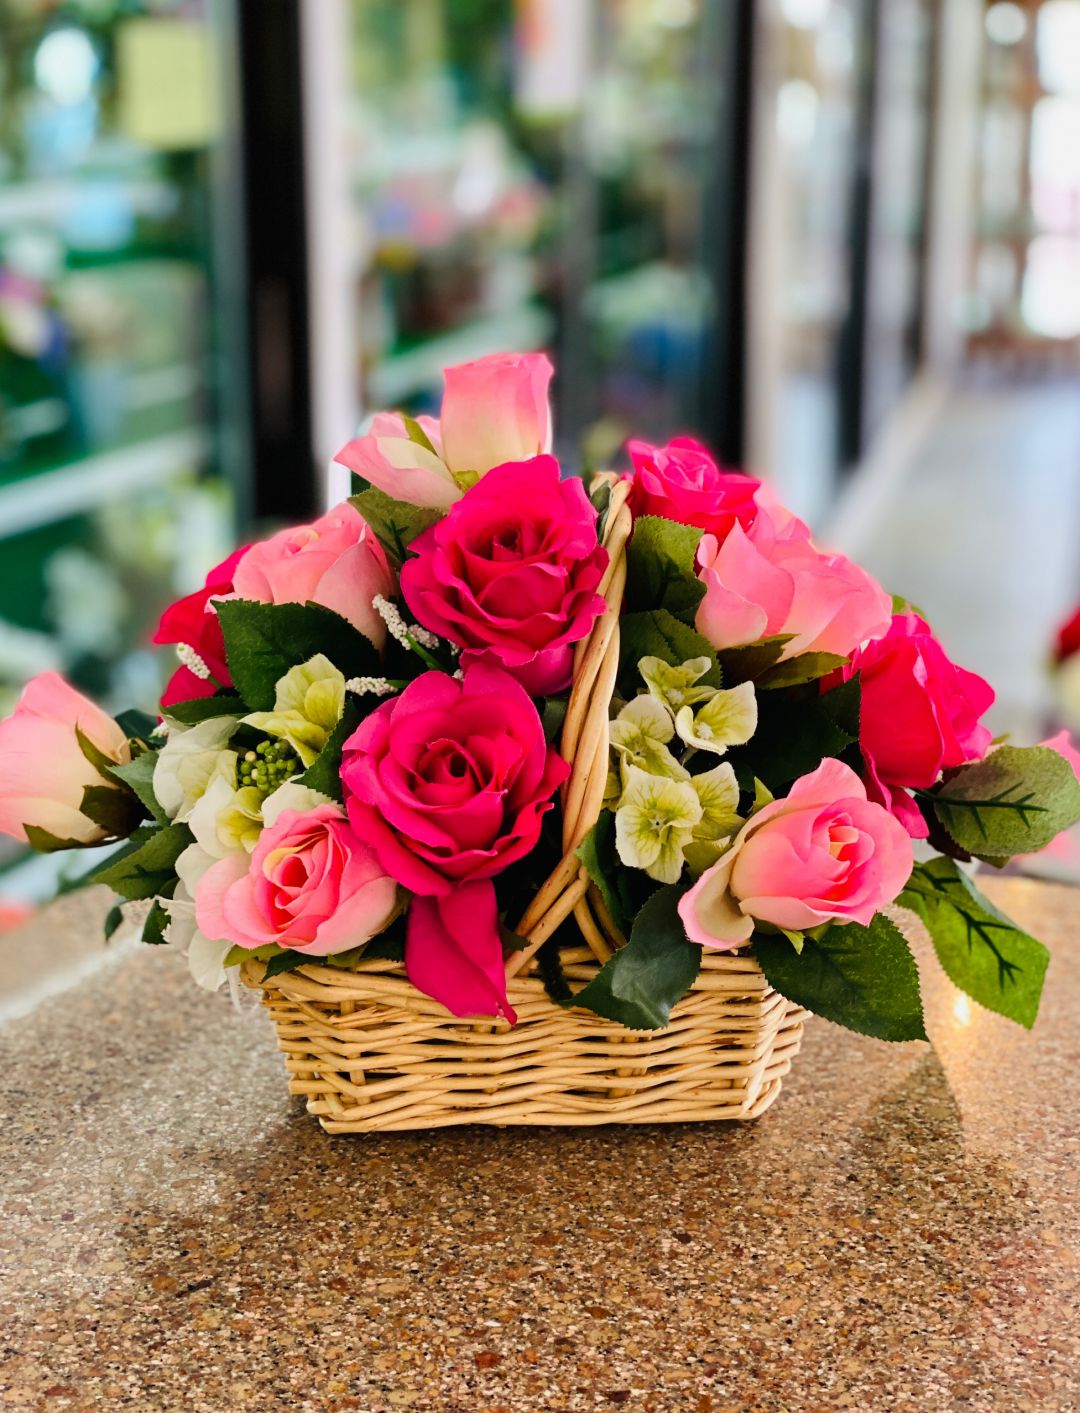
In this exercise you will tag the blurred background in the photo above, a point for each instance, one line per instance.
(839, 240)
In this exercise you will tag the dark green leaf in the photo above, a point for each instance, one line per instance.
(553, 716)
(656, 968)
(46, 843)
(97, 758)
(863, 978)
(660, 567)
(387, 947)
(549, 967)
(136, 725)
(843, 706)
(285, 961)
(981, 950)
(157, 919)
(205, 708)
(792, 739)
(659, 633)
(264, 640)
(1013, 802)
(597, 853)
(113, 918)
(149, 869)
(324, 773)
(807, 667)
(395, 523)
(115, 810)
(87, 877)
(748, 663)
(138, 776)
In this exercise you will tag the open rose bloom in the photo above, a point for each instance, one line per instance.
(487, 712)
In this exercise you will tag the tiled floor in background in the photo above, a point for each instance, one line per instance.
(982, 531)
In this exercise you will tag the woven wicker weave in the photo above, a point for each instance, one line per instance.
(371, 1052)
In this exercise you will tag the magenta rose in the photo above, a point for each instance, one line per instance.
(919, 715)
(449, 783)
(511, 574)
(311, 885)
(336, 561)
(682, 482)
(824, 853)
(772, 579)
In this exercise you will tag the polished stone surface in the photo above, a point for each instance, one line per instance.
(899, 1232)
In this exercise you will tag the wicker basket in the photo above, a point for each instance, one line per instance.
(371, 1052)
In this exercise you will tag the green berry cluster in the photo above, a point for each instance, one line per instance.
(269, 765)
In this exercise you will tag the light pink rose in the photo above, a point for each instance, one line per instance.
(336, 561)
(43, 771)
(772, 579)
(311, 885)
(494, 410)
(823, 853)
(1062, 744)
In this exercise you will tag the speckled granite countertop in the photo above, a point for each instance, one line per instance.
(898, 1232)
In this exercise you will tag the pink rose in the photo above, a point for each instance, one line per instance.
(919, 716)
(311, 885)
(1062, 744)
(449, 783)
(336, 561)
(771, 579)
(824, 853)
(511, 574)
(188, 621)
(494, 410)
(682, 482)
(43, 771)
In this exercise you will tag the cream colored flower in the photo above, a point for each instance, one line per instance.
(674, 687)
(655, 821)
(718, 793)
(640, 734)
(726, 719)
(307, 706)
(226, 819)
(189, 760)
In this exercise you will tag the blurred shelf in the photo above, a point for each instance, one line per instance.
(70, 490)
(52, 201)
(402, 374)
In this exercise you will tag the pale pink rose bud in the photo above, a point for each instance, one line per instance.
(44, 769)
(496, 410)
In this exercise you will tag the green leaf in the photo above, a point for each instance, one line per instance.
(747, 664)
(600, 495)
(102, 763)
(113, 918)
(808, 667)
(149, 869)
(863, 978)
(416, 434)
(597, 852)
(264, 640)
(387, 947)
(46, 843)
(792, 739)
(111, 808)
(324, 773)
(981, 950)
(283, 962)
(656, 968)
(553, 716)
(1013, 802)
(157, 919)
(395, 523)
(138, 776)
(659, 633)
(136, 725)
(660, 567)
(843, 706)
(235, 955)
(204, 708)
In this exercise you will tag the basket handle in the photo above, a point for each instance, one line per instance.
(584, 746)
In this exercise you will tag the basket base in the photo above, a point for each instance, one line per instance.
(371, 1054)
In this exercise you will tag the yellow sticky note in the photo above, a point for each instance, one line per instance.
(166, 82)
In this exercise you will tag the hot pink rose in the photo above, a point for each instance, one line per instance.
(682, 482)
(43, 771)
(191, 620)
(825, 853)
(494, 410)
(771, 579)
(919, 716)
(511, 574)
(336, 561)
(311, 885)
(449, 783)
